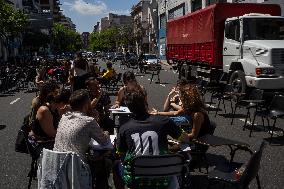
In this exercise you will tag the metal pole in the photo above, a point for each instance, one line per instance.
(166, 11)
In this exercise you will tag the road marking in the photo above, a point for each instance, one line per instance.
(14, 101)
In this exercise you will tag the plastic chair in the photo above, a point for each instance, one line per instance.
(275, 111)
(199, 152)
(241, 177)
(160, 166)
(63, 170)
(32, 151)
(253, 101)
(115, 83)
(222, 95)
(155, 71)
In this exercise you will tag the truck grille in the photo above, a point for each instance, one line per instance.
(277, 56)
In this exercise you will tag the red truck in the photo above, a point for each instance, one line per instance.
(241, 43)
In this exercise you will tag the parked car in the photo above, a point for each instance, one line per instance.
(118, 56)
(150, 60)
(110, 56)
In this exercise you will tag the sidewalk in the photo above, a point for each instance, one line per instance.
(164, 62)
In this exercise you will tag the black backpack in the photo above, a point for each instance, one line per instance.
(21, 140)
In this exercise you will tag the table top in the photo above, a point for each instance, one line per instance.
(212, 140)
(120, 110)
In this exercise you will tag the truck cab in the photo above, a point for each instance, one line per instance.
(253, 51)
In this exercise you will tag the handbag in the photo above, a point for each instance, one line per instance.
(21, 139)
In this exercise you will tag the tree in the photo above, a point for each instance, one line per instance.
(64, 39)
(12, 22)
(35, 40)
(110, 38)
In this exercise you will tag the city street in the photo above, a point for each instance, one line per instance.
(15, 166)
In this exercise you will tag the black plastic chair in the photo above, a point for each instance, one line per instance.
(275, 111)
(115, 83)
(241, 177)
(225, 94)
(34, 155)
(198, 154)
(155, 71)
(160, 166)
(254, 101)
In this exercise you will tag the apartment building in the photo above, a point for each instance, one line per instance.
(114, 20)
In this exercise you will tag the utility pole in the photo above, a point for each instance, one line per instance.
(166, 11)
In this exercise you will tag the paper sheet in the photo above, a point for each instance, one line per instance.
(96, 146)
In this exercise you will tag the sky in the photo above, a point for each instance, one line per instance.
(86, 13)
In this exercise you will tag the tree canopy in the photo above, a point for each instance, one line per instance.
(12, 22)
(110, 38)
(65, 39)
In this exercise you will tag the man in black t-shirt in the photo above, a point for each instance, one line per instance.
(144, 135)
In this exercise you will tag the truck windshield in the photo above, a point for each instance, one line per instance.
(264, 29)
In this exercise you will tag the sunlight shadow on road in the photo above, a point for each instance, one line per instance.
(2, 127)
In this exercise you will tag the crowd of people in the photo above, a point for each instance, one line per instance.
(66, 119)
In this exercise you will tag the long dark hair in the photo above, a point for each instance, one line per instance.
(46, 89)
(80, 62)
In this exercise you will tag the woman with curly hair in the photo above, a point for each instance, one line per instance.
(192, 106)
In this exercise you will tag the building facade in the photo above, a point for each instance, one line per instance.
(114, 20)
(170, 9)
(96, 27)
(67, 22)
(145, 17)
(85, 37)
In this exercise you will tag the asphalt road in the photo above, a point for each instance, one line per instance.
(15, 166)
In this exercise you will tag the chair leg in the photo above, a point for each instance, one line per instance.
(232, 108)
(211, 98)
(159, 78)
(247, 116)
(218, 107)
(273, 127)
(224, 106)
(252, 125)
(31, 173)
(262, 119)
(151, 78)
(258, 182)
(234, 113)
(268, 123)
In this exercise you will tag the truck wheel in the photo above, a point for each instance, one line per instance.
(238, 81)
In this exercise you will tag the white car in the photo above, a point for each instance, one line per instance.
(151, 62)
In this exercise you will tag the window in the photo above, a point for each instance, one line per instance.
(263, 29)
(211, 2)
(232, 30)
(196, 5)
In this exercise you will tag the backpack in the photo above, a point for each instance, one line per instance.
(21, 143)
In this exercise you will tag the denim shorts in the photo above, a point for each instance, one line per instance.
(179, 120)
(184, 121)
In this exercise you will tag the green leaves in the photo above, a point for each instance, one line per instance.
(12, 21)
(65, 39)
(109, 38)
